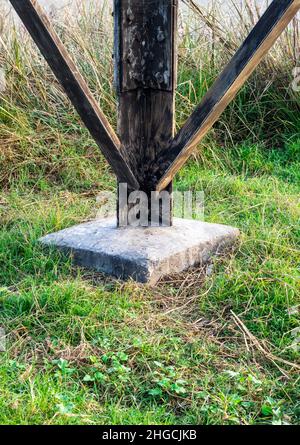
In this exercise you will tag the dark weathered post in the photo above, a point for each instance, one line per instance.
(147, 155)
(145, 78)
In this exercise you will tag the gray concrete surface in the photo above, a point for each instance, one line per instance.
(144, 254)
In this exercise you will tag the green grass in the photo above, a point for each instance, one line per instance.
(85, 349)
(199, 348)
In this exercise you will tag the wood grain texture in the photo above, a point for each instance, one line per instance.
(145, 76)
(255, 47)
(38, 25)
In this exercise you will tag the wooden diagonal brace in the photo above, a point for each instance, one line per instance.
(255, 47)
(38, 25)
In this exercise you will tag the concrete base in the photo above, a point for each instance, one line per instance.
(144, 254)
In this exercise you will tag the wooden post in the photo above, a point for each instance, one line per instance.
(147, 155)
(44, 35)
(145, 79)
(263, 36)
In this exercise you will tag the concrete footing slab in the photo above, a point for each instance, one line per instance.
(144, 254)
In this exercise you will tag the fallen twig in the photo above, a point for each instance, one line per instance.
(273, 358)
